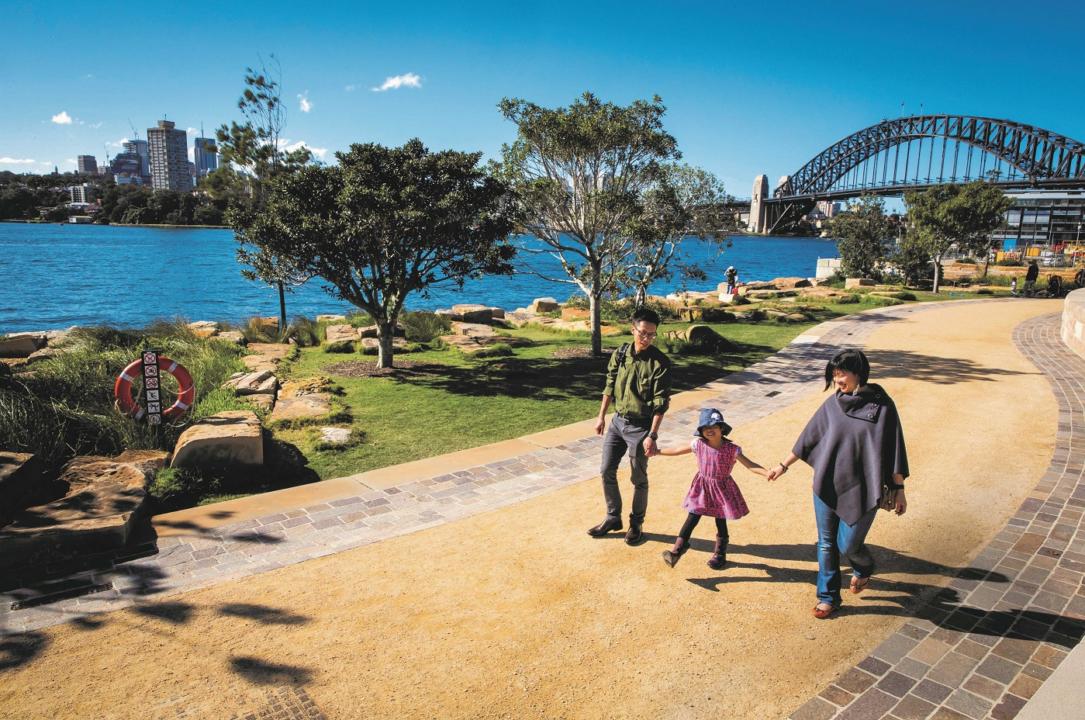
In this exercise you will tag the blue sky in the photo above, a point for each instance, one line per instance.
(749, 87)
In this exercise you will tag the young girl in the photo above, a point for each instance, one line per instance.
(713, 491)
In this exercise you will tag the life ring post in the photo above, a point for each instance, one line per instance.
(149, 368)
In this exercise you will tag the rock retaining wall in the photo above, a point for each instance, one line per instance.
(1073, 321)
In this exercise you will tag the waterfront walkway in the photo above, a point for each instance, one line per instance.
(464, 586)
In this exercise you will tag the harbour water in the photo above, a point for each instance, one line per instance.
(63, 275)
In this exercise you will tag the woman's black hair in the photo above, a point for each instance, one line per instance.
(854, 361)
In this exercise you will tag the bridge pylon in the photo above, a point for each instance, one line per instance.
(758, 197)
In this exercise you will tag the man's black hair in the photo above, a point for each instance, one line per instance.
(854, 361)
(646, 314)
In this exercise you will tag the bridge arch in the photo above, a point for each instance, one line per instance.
(1032, 157)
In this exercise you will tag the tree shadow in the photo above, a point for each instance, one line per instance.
(893, 364)
(261, 672)
(263, 614)
(18, 650)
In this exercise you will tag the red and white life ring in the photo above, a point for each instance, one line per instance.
(126, 397)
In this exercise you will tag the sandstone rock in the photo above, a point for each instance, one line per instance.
(21, 346)
(519, 317)
(544, 305)
(338, 333)
(472, 329)
(254, 383)
(233, 336)
(104, 498)
(233, 437)
(471, 313)
(705, 337)
(18, 473)
(497, 313)
(266, 324)
(727, 297)
(769, 294)
(265, 356)
(261, 402)
(852, 283)
(307, 386)
(44, 354)
(331, 318)
(574, 313)
(300, 408)
(335, 436)
(204, 328)
(373, 344)
(790, 283)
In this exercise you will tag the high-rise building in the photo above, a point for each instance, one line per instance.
(87, 165)
(127, 169)
(82, 194)
(206, 155)
(139, 147)
(169, 157)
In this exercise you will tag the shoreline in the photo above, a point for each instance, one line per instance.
(163, 226)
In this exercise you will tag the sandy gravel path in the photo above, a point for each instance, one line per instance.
(517, 613)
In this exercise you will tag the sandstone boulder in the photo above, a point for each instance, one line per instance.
(233, 437)
(263, 403)
(544, 305)
(497, 313)
(331, 318)
(265, 356)
(255, 383)
(44, 354)
(335, 436)
(21, 346)
(300, 408)
(266, 324)
(204, 328)
(705, 337)
(370, 331)
(18, 474)
(104, 497)
(233, 336)
(472, 329)
(338, 333)
(471, 313)
(852, 283)
(372, 344)
(790, 283)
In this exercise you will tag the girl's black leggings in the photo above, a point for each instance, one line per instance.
(693, 519)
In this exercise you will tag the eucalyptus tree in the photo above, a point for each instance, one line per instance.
(388, 222)
(581, 174)
(252, 154)
(862, 233)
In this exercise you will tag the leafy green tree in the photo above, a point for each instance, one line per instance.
(962, 215)
(581, 173)
(981, 208)
(685, 202)
(254, 152)
(17, 201)
(862, 232)
(913, 260)
(388, 222)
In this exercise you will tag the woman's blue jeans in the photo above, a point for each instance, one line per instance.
(835, 537)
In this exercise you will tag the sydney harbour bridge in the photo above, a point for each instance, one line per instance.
(917, 152)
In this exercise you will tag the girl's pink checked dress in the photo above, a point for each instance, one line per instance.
(714, 492)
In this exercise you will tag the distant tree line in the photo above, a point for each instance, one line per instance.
(46, 197)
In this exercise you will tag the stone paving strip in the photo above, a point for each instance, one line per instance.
(981, 647)
(202, 557)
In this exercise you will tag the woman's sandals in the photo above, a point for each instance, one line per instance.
(858, 584)
(824, 610)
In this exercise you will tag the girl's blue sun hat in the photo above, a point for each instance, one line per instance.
(711, 416)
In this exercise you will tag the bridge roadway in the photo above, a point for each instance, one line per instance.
(466, 587)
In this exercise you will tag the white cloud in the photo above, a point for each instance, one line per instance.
(71, 161)
(304, 104)
(16, 161)
(397, 81)
(192, 131)
(62, 118)
(291, 147)
(118, 143)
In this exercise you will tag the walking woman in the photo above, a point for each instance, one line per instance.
(855, 445)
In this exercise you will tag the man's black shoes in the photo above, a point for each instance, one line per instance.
(607, 526)
(634, 536)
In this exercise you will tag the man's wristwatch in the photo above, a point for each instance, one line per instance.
(653, 435)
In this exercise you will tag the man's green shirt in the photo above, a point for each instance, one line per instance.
(641, 387)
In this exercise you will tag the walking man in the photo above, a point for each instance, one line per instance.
(639, 384)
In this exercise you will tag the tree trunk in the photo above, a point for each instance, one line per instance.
(937, 272)
(986, 262)
(595, 312)
(641, 297)
(386, 333)
(282, 309)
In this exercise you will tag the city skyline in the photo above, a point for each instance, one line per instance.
(746, 93)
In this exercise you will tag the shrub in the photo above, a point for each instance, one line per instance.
(985, 291)
(495, 350)
(359, 319)
(305, 332)
(967, 260)
(904, 295)
(339, 346)
(424, 326)
(1009, 262)
(255, 332)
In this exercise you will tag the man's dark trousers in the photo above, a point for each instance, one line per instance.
(625, 437)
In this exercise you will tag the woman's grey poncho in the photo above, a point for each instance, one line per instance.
(854, 443)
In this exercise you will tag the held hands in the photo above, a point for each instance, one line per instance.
(778, 470)
(650, 448)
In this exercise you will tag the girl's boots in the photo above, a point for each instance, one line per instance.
(671, 556)
(719, 553)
